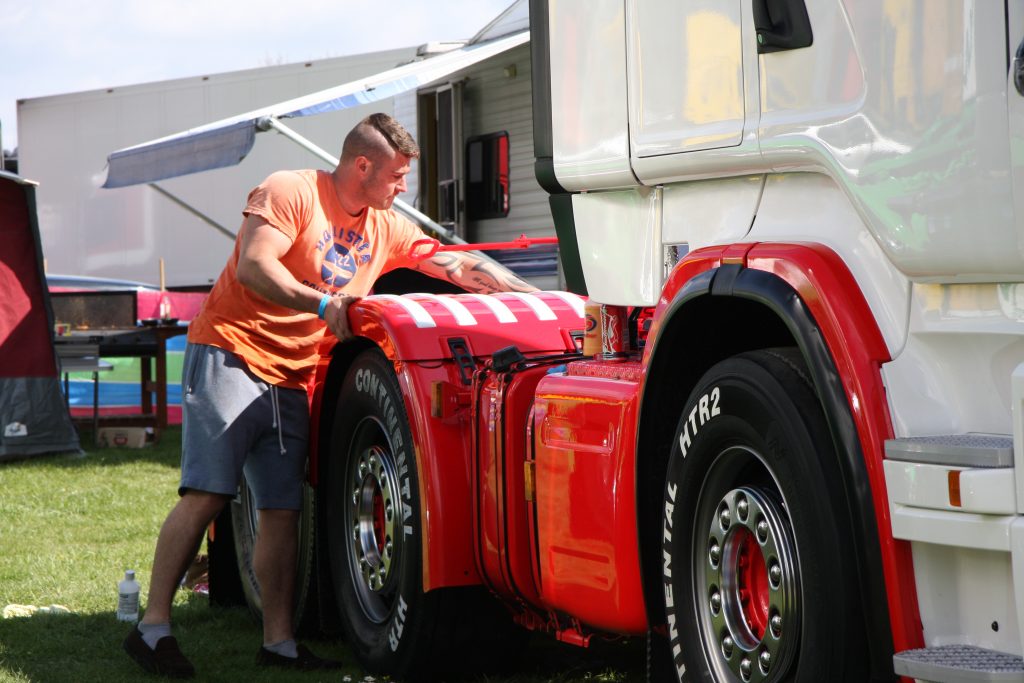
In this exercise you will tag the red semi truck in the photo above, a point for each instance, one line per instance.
(796, 227)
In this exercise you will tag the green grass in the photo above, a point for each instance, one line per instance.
(69, 527)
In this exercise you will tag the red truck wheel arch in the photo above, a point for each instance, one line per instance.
(851, 336)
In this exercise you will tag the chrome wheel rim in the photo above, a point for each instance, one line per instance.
(747, 578)
(373, 514)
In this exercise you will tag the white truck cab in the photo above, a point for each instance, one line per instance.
(887, 134)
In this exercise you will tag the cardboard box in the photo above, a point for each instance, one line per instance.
(123, 437)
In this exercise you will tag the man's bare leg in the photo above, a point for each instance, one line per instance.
(274, 561)
(176, 548)
(150, 643)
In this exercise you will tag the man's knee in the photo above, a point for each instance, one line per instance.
(278, 516)
(202, 505)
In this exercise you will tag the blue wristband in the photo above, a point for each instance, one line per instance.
(323, 306)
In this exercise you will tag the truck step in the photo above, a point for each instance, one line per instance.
(959, 664)
(957, 450)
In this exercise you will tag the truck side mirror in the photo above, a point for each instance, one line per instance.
(781, 25)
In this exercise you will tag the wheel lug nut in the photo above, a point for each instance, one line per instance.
(762, 531)
(745, 669)
(724, 518)
(776, 625)
(727, 646)
(742, 508)
(715, 554)
(716, 603)
(764, 661)
(363, 469)
(388, 548)
(355, 532)
(775, 574)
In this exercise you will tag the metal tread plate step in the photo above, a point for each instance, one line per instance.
(959, 664)
(958, 450)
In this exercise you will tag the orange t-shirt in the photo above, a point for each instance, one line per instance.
(332, 252)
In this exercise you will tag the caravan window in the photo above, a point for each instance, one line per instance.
(487, 182)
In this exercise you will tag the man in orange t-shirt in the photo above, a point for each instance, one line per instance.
(311, 243)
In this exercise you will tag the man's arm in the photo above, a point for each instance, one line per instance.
(260, 270)
(472, 273)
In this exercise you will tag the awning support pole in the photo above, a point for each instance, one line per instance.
(194, 211)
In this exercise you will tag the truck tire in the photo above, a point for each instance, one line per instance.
(245, 527)
(760, 584)
(371, 498)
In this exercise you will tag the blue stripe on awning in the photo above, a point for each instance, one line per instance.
(381, 92)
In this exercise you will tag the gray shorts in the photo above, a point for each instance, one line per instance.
(233, 421)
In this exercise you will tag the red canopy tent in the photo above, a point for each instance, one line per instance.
(34, 418)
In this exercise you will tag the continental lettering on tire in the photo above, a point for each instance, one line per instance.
(370, 383)
(397, 624)
(666, 555)
(705, 409)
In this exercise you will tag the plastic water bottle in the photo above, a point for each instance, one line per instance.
(128, 597)
(165, 308)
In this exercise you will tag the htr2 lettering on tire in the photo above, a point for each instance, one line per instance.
(760, 586)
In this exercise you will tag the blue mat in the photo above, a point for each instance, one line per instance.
(114, 393)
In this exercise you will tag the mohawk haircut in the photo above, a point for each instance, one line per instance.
(371, 134)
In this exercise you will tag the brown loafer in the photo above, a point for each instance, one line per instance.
(165, 660)
(306, 661)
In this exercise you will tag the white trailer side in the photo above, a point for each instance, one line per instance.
(64, 141)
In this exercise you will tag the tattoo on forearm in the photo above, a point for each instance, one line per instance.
(447, 262)
(491, 279)
(482, 278)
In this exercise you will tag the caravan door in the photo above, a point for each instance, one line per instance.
(441, 164)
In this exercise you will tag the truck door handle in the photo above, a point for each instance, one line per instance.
(1018, 69)
(781, 25)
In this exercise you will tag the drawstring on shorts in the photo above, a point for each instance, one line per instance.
(275, 403)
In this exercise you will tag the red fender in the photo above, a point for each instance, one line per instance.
(833, 297)
(414, 330)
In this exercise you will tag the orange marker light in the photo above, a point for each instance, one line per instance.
(954, 487)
